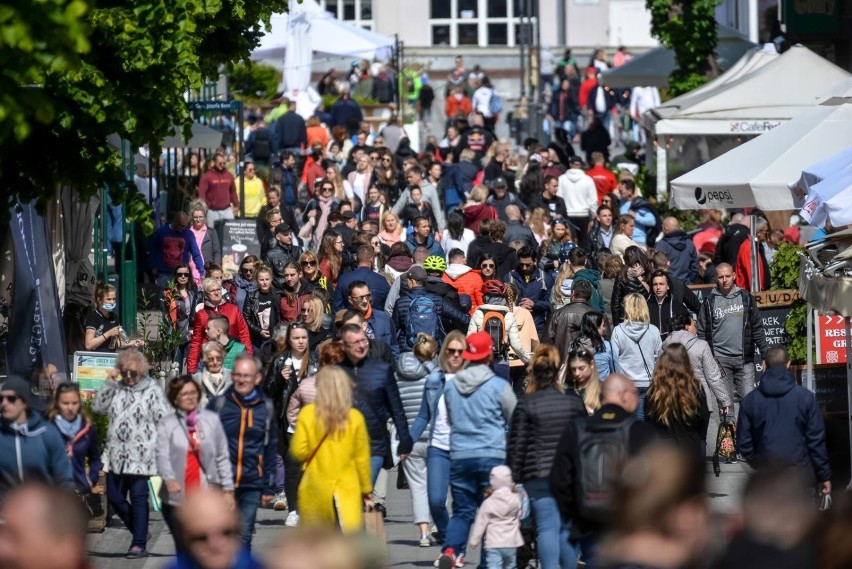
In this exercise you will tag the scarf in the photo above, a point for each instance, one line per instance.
(69, 428)
(325, 208)
(214, 382)
(635, 273)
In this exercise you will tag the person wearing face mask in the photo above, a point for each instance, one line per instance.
(103, 331)
(457, 102)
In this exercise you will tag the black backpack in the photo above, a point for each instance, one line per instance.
(601, 450)
(262, 144)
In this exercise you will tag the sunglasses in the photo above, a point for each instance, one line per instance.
(9, 398)
(296, 325)
(309, 264)
(527, 264)
(581, 353)
(130, 373)
(179, 275)
(453, 352)
(206, 537)
(487, 266)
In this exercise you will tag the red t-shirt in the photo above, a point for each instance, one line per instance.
(192, 475)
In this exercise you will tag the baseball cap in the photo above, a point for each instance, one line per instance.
(575, 160)
(479, 346)
(417, 273)
(348, 215)
(282, 228)
(499, 182)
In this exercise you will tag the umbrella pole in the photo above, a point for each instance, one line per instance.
(809, 372)
(755, 261)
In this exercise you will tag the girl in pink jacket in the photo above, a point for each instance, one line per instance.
(499, 520)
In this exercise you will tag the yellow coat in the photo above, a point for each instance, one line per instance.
(334, 483)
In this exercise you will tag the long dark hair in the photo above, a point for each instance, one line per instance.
(533, 180)
(589, 329)
(456, 224)
(634, 255)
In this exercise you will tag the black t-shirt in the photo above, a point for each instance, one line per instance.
(101, 324)
(264, 308)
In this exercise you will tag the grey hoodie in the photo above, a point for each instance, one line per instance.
(480, 405)
(728, 314)
(636, 346)
(411, 376)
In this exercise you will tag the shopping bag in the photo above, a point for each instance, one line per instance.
(374, 525)
(726, 444)
(155, 483)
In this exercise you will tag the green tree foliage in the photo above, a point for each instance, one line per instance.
(74, 72)
(689, 28)
(785, 272)
(253, 81)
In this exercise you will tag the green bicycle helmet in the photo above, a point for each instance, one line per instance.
(435, 264)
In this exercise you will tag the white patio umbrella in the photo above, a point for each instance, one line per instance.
(298, 57)
(759, 172)
(813, 175)
(825, 198)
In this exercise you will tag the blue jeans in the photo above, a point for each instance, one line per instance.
(469, 478)
(501, 558)
(588, 546)
(134, 514)
(248, 501)
(438, 486)
(640, 410)
(376, 463)
(552, 532)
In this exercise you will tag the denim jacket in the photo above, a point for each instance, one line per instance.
(429, 406)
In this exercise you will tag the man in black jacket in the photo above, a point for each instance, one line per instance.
(284, 252)
(661, 303)
(548, 200)
(376, 396)
(619, 400)
(735, 234)
(563, 327)
(781, 422)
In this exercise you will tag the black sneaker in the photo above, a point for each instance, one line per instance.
(379, 507)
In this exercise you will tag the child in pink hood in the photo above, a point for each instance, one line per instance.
(499, 519)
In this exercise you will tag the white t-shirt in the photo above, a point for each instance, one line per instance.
(441, 422)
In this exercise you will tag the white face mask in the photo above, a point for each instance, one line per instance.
(458, 96)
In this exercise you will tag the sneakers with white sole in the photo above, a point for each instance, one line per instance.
(292, 520)
(280, 502)
(425, 540)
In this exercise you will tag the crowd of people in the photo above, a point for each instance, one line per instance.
(520, 338)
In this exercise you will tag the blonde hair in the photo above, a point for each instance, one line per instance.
(592, 396)
(334, 399)
(399, 228)
(636, 308)
(319, 311)
(453, 336)
(425, 347)
(566, 271)
(197, 205)
(210, 282)
(479, 193)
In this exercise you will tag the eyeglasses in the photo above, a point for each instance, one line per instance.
(366, 297)
(9, 398)
(376, 243)
(130, 373)
(213, 359)
(206, 537)
(216, 291)
(326, 189)
(309, 264)
(453, 352)
(179, 275)
(193, 393)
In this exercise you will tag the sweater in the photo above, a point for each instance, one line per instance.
(172, 447)
(636, 346)
(579, 192)
(133, 413)
(411, 376)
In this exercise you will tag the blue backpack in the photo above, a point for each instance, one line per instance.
(495, 104)
(423, 317)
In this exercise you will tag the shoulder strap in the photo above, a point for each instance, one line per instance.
(316, 450)
(641, 353)
(267, 423)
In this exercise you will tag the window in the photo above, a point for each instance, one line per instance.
(358, 12)
(474, 22)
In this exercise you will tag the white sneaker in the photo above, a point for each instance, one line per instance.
(280, 502)
(292, 520)
(425, 540)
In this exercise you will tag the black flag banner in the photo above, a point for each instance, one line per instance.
(36, 346)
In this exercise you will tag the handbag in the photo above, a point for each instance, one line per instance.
(155, 484)
(726, 443)
(401, 479)
(825, 502)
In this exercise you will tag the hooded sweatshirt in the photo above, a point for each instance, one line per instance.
(636, 346)
(480, 405)
(33, 451)
(781, 421)
(579, 192)
(498, 518)
(411, 376)
(593, 276)
(680, 249)
(466, 281)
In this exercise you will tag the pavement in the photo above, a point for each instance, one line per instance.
(107, 549)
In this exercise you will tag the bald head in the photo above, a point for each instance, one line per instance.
(513, 212)
(210, 529)
(620, 390)
(670, 225)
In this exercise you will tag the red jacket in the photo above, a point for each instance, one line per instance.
(743, 272)
(238, 330)
(466, 281)
(453, 106)
(605, 181)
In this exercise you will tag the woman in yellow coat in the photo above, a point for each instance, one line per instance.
(332, 443)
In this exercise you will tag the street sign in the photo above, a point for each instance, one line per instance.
(220, 106)
(830, 339)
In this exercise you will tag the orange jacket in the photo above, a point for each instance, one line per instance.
(453, 106)
(466, 281)
(317, 133)
(604, 179)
